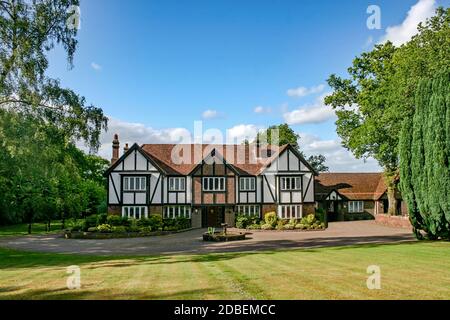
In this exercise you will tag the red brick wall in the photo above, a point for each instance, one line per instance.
(208, 198)
(393, 221)
(115, 210)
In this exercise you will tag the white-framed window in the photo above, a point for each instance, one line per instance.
(173, 212)
(247, 184)
(290, 183)
(135, 212)
(177, 184)
(134, 184)
(249, 210)
(355, 206)
(214, 184)
(290, 212)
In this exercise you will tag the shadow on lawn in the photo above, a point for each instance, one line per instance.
(104, 294)
(11, 259)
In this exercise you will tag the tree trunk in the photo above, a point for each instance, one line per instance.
(49, 225)
(29, 227)
(391, 179)
(392, 201)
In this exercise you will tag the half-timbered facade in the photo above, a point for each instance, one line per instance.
(209, 184)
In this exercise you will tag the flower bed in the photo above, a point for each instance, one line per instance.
(221, 237)
(312, 222)
(109, 227)
(116, 235)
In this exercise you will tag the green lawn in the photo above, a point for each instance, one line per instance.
(408, 271)
(22, 229)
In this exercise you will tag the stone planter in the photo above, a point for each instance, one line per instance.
(220, 237)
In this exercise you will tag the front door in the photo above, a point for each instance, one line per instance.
(213, 217)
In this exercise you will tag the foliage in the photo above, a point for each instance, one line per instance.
(119, 229)
(146, 229)
(91, 221)
(115, 220)
(425, 158)
(243, 221)
(310, 222)
(255, 226)
(379, 92)
(156, 222)
(282, 134)
(271, 219)
(320, 214)
(43, 176)
(176, 224)
(267, 226)
(104, 228)
(29, 30)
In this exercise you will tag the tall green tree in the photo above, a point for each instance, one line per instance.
(425, 159)
(283, 134)
(379, 94)
(28, 31)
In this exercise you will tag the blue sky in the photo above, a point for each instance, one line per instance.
(157, 66)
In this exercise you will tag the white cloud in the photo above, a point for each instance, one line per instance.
(303, 91)
(317, 112)
(136, 133)
(96, 66)
(261, 109)
(338, 158)
(241, 132)
(210, 114)
(403, 32)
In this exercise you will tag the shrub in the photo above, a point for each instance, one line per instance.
(169, 224)
(288, 227)
(320, 214)
(146, 229)
(144, 222)
(156, 222)
(76, 225)
(114, 220)
(310, 219)
(254, 226)
(125, 222)
(244, 221)
(92, 229)
(90, 221)
(119, 229)
(241, 221)
(267, 227)
(104, 228)
(182, 223)
(280, 225)
(300, 226)
(271, 218)
(102, 219)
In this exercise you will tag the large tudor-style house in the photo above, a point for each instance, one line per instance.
(210, 184)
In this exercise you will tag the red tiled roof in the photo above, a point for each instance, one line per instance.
(241, 157)
(353, 186)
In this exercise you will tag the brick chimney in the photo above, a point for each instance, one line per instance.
(115, 149)
(126, 148)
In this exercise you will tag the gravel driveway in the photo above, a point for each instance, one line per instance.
(338, 234)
